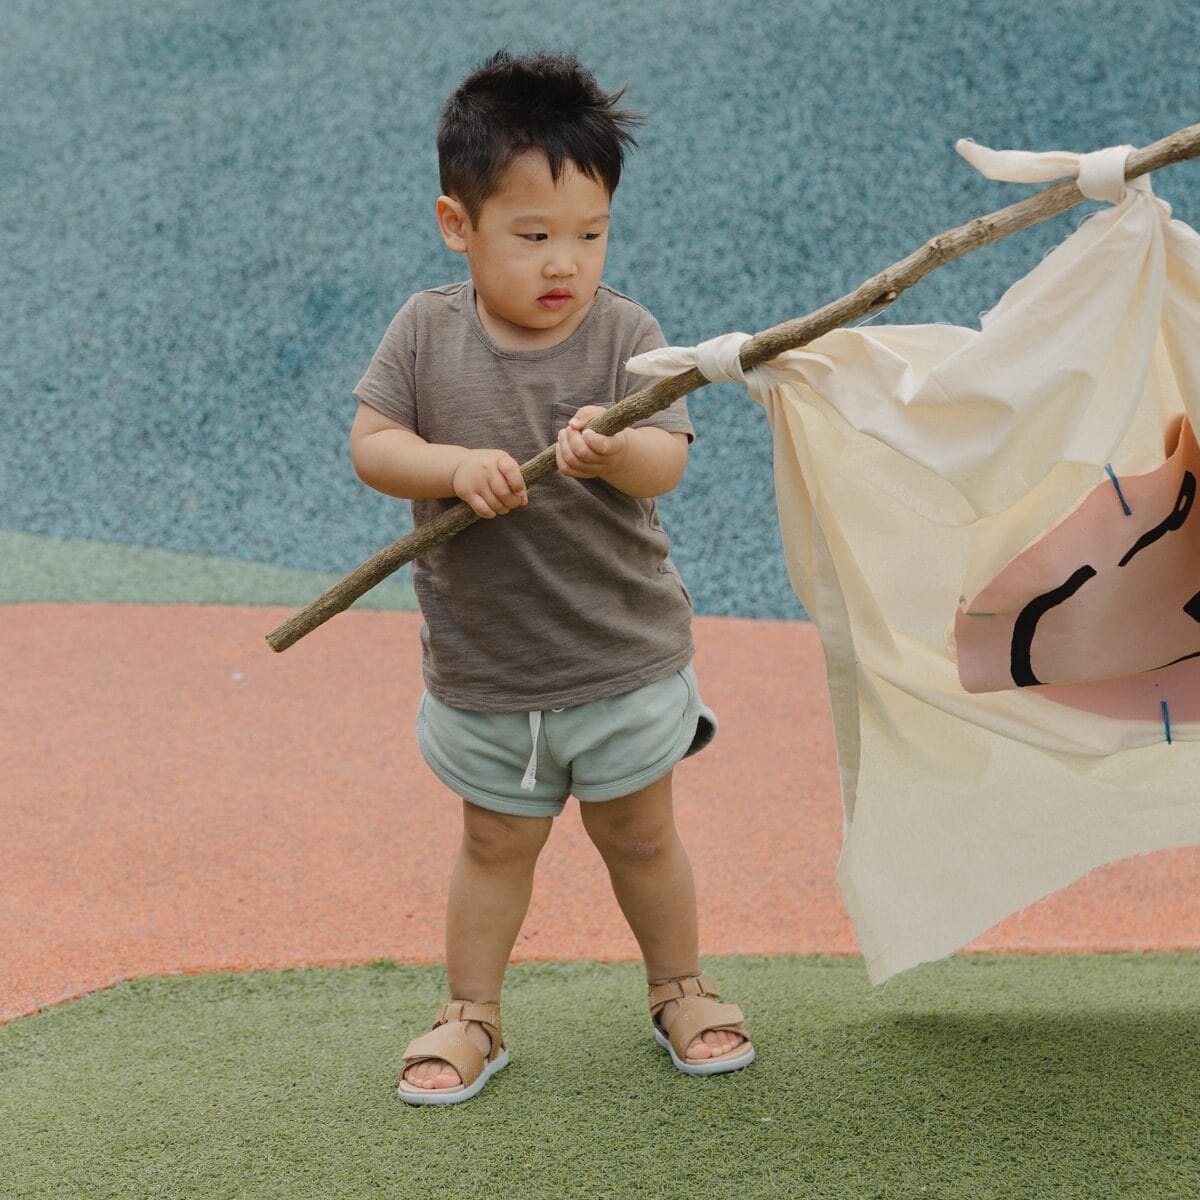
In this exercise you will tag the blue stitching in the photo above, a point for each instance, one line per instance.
(1120, 495)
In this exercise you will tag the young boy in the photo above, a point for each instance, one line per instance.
(557, 641)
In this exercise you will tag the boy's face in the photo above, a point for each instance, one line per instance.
(536, 252)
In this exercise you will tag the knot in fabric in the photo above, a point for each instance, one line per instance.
(1099, 175)
(717, 359)
(1102, 174)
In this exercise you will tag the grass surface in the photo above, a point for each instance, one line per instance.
(977, 1077)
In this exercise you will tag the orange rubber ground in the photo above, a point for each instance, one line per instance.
(178, 798)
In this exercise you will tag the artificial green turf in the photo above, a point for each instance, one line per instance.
(1007, 1077)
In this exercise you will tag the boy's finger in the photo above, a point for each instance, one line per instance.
(581, 443)
(506, 497)
(514, 479)
(502, 491)
(590, 453)
(564, 459)
(585, 460)
(566, 444)
(589, 412)
(597, 442)
(500, 501)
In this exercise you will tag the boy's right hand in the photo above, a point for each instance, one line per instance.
(490, 482)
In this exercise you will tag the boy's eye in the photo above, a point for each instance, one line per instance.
(533, 237)
(590, 237)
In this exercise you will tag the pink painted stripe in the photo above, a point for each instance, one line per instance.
(177, 798)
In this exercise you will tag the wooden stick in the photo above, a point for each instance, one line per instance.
(875, 294)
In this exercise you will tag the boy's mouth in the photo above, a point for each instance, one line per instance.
(555, 298)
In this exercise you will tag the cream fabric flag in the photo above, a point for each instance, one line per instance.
(994, 532)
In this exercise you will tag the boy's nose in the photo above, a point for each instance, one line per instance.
(560, 266)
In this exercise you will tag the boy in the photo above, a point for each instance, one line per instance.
(557, 642)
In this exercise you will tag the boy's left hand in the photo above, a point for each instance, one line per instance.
(583, 453)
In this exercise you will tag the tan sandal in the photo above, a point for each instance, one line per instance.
(448, 1042)
(698, 1013)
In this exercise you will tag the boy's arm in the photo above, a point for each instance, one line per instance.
(646, 461)
(398, 462)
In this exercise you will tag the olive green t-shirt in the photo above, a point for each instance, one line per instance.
(573, 597)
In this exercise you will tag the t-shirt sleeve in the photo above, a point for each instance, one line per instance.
(389, 383)
(675, 418)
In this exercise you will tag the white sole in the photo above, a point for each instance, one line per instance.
(712, 1067)
(412, 1095)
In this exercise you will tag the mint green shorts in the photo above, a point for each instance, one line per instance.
(527, 764)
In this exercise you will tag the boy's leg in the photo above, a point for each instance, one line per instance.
(489, 894)
(652, 879)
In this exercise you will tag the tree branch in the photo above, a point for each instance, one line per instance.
(872, 296)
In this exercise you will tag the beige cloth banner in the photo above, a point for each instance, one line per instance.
(995, 534)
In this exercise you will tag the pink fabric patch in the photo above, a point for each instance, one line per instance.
(1102, 613)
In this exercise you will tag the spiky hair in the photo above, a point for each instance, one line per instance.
(510, 106)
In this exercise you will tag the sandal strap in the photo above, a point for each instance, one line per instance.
(699, 1015)
(680, 989)
(448, 1042)
(698, 1010)
(488, 1015)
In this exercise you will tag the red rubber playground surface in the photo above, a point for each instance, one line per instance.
(177, 798)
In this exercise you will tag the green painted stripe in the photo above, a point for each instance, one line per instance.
(34, 567)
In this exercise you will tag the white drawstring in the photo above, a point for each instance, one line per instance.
(529, 780)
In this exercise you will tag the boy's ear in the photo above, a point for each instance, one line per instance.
(453, 223)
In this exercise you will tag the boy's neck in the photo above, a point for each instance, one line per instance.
(509, 336)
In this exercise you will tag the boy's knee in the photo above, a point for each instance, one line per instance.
(632, 849)
(631, 843)
(495, 839)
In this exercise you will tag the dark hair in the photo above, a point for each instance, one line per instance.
(509, 106)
